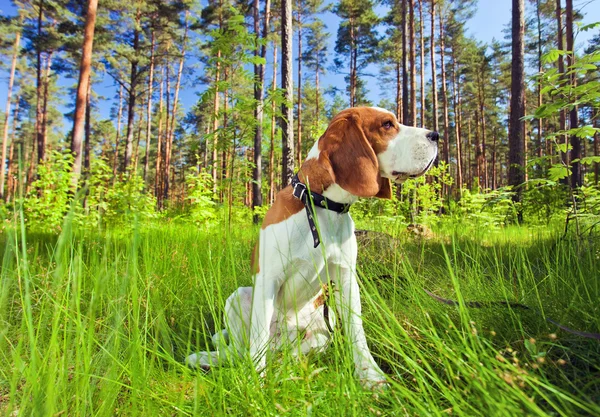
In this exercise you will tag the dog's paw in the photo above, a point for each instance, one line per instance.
(372, 379)
(201, 360)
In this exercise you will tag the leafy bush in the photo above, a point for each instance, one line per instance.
(200, 195)
(47, 201)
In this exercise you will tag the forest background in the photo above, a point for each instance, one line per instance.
(184, 110)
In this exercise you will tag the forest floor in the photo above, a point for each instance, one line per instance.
(99, 324)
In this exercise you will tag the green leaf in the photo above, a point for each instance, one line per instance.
(558, 172)
(589, 160)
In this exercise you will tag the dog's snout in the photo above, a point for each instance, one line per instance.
(433, 136)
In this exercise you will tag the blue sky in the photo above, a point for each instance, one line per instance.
(491, 18)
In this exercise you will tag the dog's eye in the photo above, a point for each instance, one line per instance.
(387, 124)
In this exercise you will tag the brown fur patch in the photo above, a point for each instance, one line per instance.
(323, 297)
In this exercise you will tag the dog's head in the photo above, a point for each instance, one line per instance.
(367, 149)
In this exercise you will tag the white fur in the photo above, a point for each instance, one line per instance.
(279, 309)
(409, 154)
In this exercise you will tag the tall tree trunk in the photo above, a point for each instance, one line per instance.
(11, 82)
(405, 99)
(399, 111)
(272, 144)
(456, 105)
(517, 101)
(132, 95)
(353, 74)
(446, 156)
(88, 129)
(576, 172)
(287, 119)
(433, 69)
(85, 71)
(539, 83)
(259, 96)
(118, 134)
(596, 147)
(149, 110)
(171, 126)
(11, 163)
(299, 100)
(45, 106)
(422, 56)
(413, 66)
(159, 143)
(39, 89)
(215, 129)
(561, 70)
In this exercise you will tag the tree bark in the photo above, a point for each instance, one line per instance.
(287, 124)
(446, 156)
(405, 99)
(433, 69)
(118, 134)
(561, 70)
(159, 143)
(39, 90)
(422, 56)
(576, 172)
(413, 66)
(132, 96)
(299, 100)
(11, 164)
(82, 101)
(11, 81)
(171, 126)
(272, 144)
(149, 109)
(517, 101)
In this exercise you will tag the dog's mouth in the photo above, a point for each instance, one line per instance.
(403, 176)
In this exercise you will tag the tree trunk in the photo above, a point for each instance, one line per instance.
(45, 107)
(405, 99)
(88, 129)
(446, 156)
(576, 172)
(216, 122)
(170, 128)
(561, 70)
(456, 105)
(433, 69)
(85, 71)
(422, 56)
(11, 81)
(517, 101)
(159, 144)
(539, 83)
(259, 96)
(11, 164)
(118, 134)
(272, 144)
(413, 66)
(299, 100)
(287, 119)
(132, 96)
(149, 110)
(39, 90)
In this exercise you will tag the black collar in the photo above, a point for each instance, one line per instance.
(310, 199)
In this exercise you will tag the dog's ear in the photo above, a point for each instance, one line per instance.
(353, 161)
(385, 188)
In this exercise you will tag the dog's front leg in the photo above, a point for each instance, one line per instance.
(263, 305)
(347, 299)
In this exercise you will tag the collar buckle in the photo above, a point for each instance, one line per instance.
(299, 190)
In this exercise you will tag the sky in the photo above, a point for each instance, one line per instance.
(488, 23)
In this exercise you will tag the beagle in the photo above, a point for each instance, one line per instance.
(307, 247)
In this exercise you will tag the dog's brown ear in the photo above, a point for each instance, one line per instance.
(385, 188)
(353, 161)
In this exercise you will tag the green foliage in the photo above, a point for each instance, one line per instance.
(48, 199)
(200, 195)
(492, 209)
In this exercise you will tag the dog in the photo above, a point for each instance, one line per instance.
(307, 247)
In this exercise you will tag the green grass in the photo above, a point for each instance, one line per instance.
(99, 324)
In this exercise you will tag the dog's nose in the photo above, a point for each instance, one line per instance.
(433, 136)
